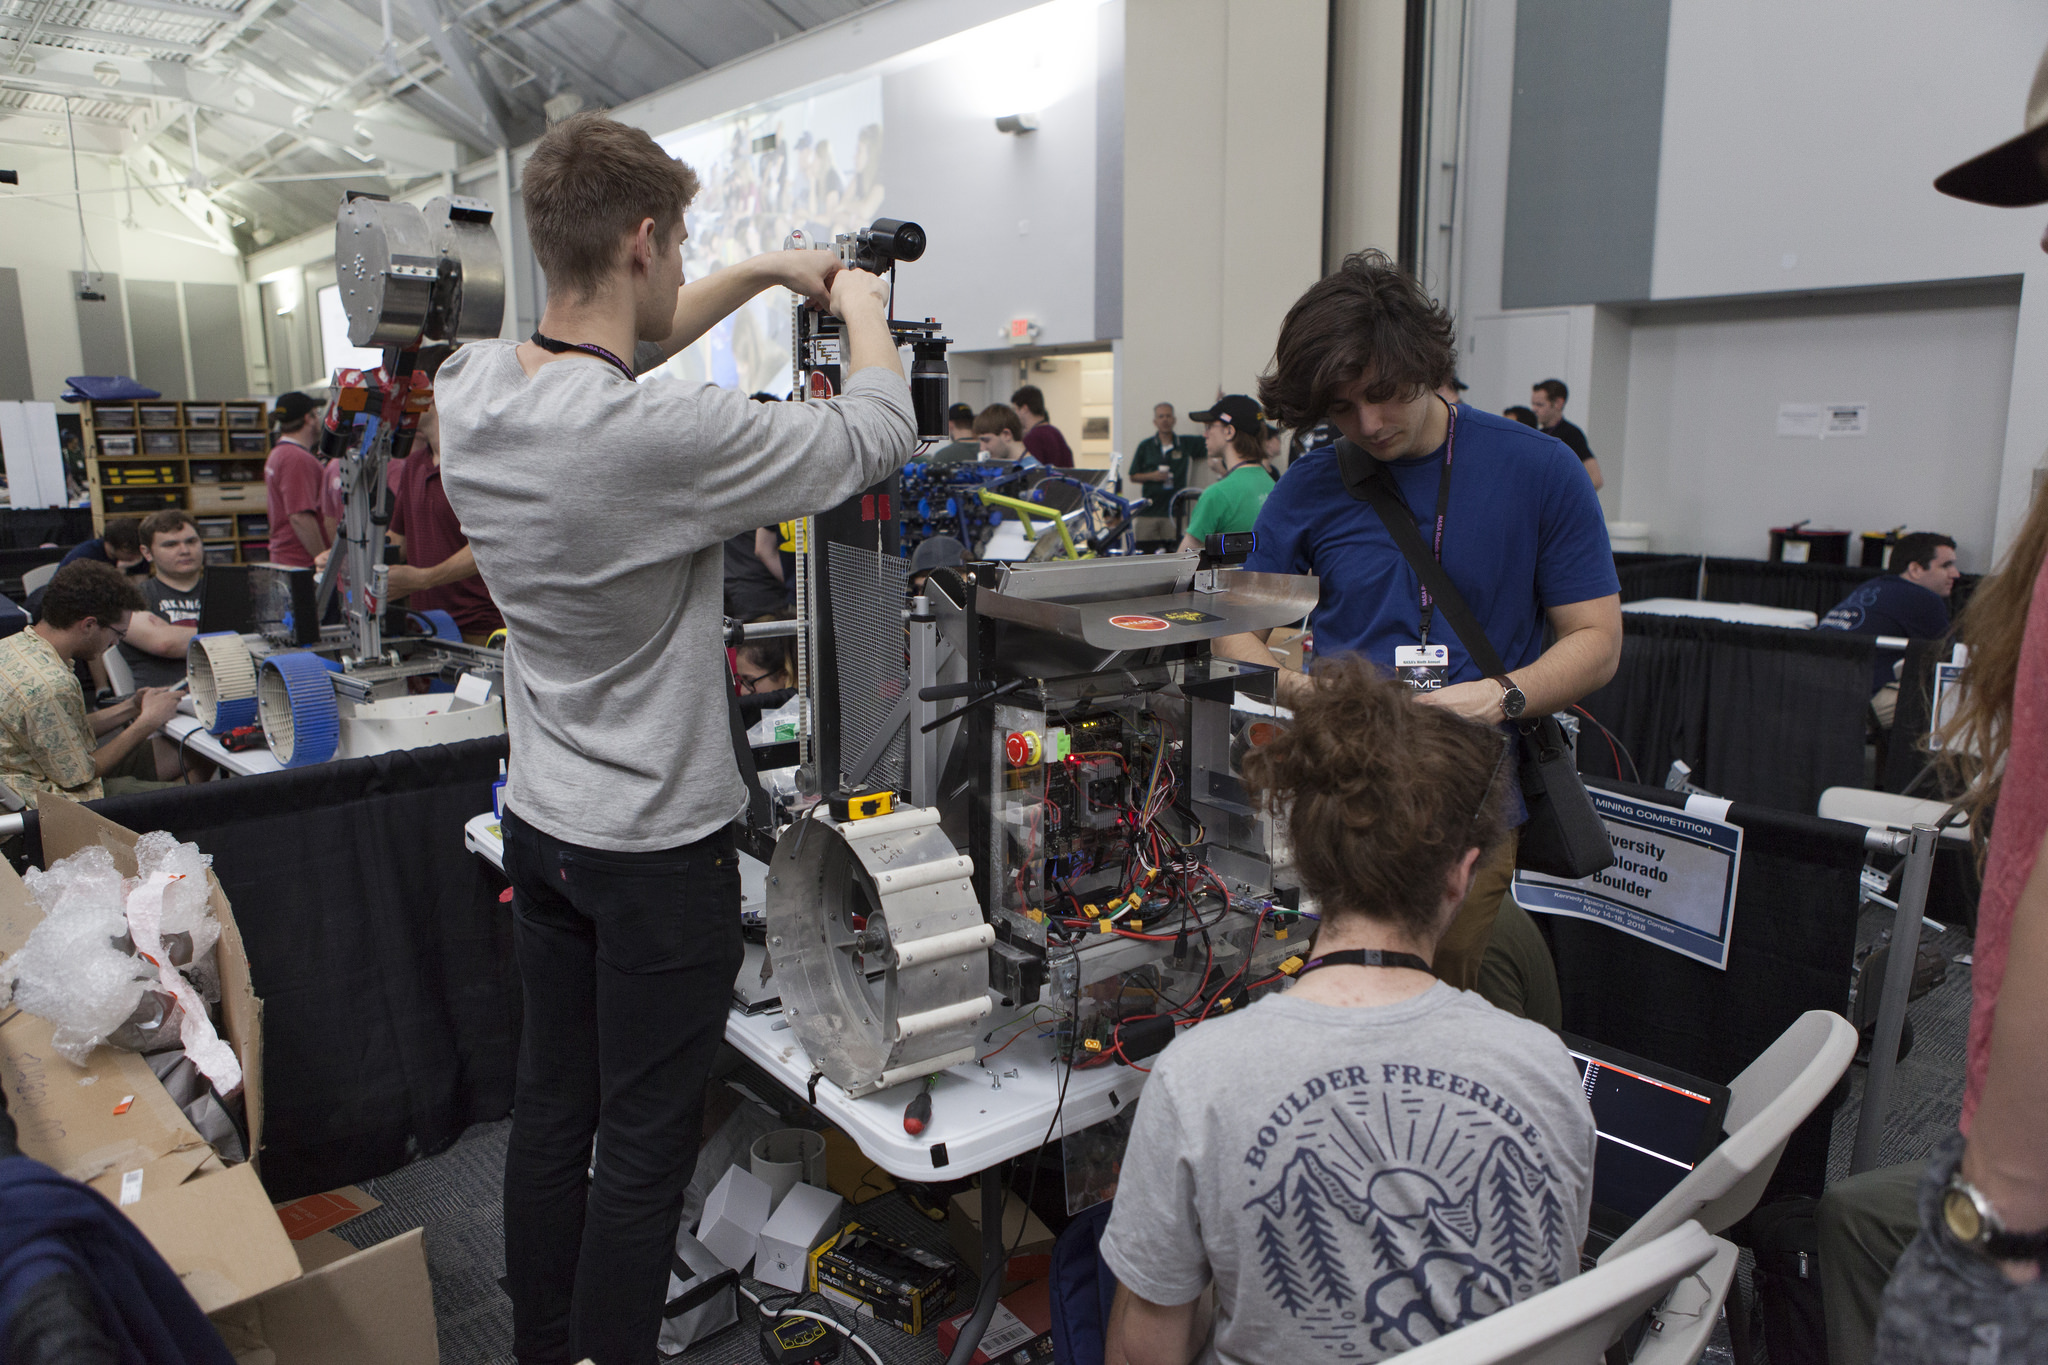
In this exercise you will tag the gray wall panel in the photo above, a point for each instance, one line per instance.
(213, 321)
(15, 383)
(102, 327)
(159, 337)
(1582, 163)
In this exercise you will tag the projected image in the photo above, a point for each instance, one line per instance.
(811, 161)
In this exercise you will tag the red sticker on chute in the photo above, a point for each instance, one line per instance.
(1138, 623)
(820, 385)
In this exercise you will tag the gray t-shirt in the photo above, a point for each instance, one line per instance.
(178, 608)
(597, 509)
(1357, 1181)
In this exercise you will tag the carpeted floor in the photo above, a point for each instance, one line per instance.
(455, 1196)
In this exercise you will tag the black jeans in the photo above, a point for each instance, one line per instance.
(627, 962)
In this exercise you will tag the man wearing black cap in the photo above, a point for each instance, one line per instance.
(292, 477)
(1235, 434)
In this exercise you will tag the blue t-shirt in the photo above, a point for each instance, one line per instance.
(1523, 533)
(1889, 606)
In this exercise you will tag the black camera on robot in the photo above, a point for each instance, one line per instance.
(878, 249)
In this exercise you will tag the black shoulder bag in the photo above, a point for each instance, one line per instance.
(1565, 836)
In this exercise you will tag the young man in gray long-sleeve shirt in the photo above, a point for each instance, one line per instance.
(597, 509)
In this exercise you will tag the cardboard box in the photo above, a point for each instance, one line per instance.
(212, 1222)
(307, 1303)
(1020, 1333)
(734, 1213)
(1032, 1257)
(805, 1219)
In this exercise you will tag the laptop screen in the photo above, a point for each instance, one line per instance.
(1654, 1125)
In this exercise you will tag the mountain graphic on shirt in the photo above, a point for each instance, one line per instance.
(1402, 1225)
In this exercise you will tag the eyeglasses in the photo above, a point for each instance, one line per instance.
(120, 632)
(751, 682)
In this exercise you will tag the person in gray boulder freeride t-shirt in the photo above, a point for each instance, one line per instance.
(1373, 1159)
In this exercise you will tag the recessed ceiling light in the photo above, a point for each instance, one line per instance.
(106, 73)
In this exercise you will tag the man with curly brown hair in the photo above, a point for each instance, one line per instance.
(1507, 511)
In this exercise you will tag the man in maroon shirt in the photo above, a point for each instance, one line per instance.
(440, 571)
(293, 478)
(1041, 438)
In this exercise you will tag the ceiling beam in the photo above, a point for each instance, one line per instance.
(179, 7)
(131, 41)
(635, 20)
(63, 72)
(236, 26)
(458, 53)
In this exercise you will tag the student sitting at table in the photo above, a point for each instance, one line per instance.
(172, 595)
(46, 738)
(1373, 1159)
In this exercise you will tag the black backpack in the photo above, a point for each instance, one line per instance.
(1786, 1242)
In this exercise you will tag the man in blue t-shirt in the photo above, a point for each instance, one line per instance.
(1518, 530)
(1912, 601)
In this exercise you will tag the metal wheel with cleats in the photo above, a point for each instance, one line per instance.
(888, 892)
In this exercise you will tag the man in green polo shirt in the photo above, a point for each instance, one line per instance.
(1161, 464)
(1235, 435)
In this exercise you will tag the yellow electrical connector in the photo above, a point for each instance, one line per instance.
(1091, 911)
(1291, 966)
(1137, 924)
(1091, 1044)
(1035, 916)
(1279, 933)
(1104, 925)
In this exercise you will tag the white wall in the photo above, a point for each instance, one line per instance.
(39, 238)
(1802, 138)
(1011, 219)
(1799, 145)
(1223, 193)
(1708, 471)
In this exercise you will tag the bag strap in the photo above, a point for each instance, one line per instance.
(1367, 481)
(699, 1293)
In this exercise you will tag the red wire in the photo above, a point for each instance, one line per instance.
(1224, 989)
(1612, 752)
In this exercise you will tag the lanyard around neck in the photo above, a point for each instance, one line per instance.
(1366, 957)
(1443, 507)
(559, 347)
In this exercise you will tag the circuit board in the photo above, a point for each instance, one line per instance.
(1107, 905)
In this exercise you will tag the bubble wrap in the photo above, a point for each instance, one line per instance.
(80, 968)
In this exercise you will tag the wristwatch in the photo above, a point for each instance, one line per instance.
(1512, 701)
(1972, 1221)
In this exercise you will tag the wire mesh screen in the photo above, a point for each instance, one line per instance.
(868, 648)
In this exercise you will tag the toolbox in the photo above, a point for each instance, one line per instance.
(131, 473)
(884, 1278)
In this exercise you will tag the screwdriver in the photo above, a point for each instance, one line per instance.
(917, 1115)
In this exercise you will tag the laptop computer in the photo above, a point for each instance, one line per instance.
(1654, 1124)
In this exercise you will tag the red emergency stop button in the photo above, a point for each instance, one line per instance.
(1023, 748)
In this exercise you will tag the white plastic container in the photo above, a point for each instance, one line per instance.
(1629, 537)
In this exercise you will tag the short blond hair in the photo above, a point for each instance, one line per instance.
(590, 182)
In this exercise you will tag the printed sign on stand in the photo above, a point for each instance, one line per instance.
(1672, 883)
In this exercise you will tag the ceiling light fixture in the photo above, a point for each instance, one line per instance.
(1019, 124)
(106, 73)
